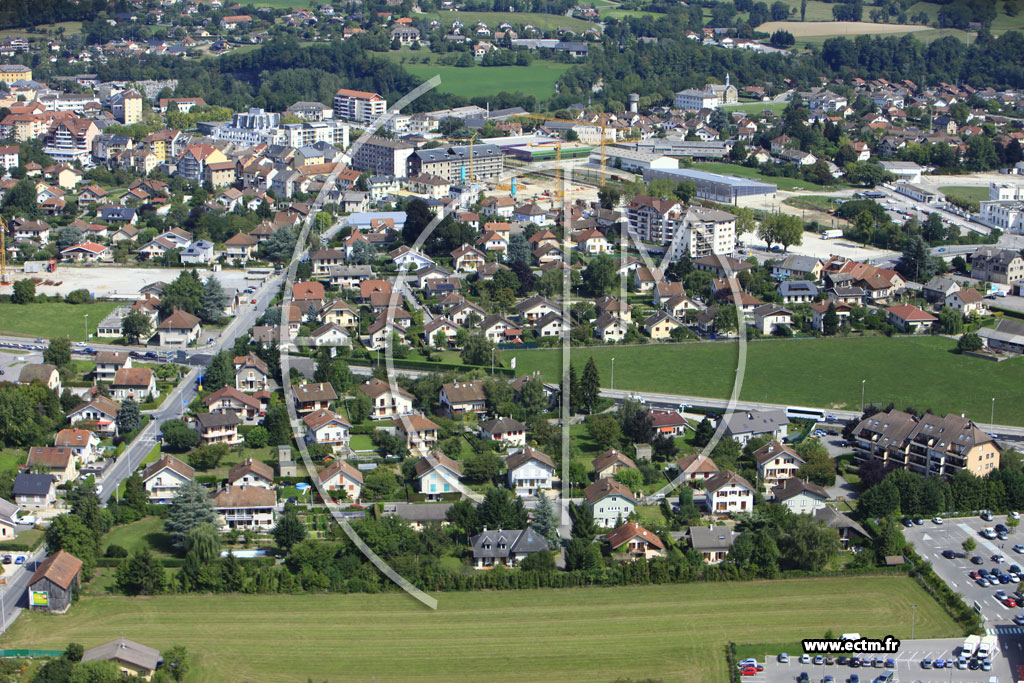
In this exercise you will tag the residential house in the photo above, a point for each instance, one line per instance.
(131, 659)
(58, 461)
(743, 425)
(99, 413)
(461, 398)
(420, 433)
(712, 542)
(610, 328)
(660, 326)
(848, 529)
(910, 319)
(245, 507)
(635, 542)
(727, 493)
(162, 478)
(240, 247)
(247, 409)
(820, 310)
(327, 428)
(138, 384)
(938, 288)
(108, 363)
(530, 472)
(179, 329)
(313, 396)
(84, 443)
(611, 502)
(35, 491)
(251, 473)
(801, 497)
(771, 319)
(505, 547)
(966, 301)
(695, 469)
(218, 428)
(388, 400)
(798, 291)
(341, 477)
(437, 474)
(609, 463)
(776, 463)
(504, 429)
(992, 264)
(467, 258)
(251, 373)
(44, 373)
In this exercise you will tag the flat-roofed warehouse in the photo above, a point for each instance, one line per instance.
(725, 189)
(633, 160)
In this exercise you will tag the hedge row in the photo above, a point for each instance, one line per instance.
(950, 600)
(440, 367)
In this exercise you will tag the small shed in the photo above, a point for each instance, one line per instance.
(51, 588)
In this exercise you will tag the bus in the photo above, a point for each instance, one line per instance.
(798, 413)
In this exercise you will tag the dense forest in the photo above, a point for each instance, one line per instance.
(18, 13)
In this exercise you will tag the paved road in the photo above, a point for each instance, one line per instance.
(13, 597)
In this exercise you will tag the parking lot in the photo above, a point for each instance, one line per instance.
(908, 667)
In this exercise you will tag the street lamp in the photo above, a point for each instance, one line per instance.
(862, 395)
(613, 373)
(913, 620)
(86, 327)
(992, 417)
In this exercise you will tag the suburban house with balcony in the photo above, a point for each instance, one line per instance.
(633, 542)
(138, 384)
(728, 493)
(245, 507)
(776, 463)
(251, 373)
(436, 473)
(218, 428)
(313, 396)
(929, 445)
(508, 431)
(388, 402)
(99, 413)
(610, 501)
(108, 363)
(910, 319)
(339, 476)
(609, 463)
(420, 433)
(163, 477)
(530, 472)
(230, 400)
(83, 442)
(326, 428)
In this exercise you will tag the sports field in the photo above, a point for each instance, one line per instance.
(52, 320)
(921, 371)
(756, 107)
(665, 632)
(975, 192)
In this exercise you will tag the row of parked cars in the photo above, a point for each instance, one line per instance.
(854, 661)
(974, 663)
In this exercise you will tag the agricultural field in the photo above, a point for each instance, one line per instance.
(803, 29)
(671, 632)
(53, 319)
(494, 19)
(923, 372)
(538, 79)
(782, 182)
(925, 36)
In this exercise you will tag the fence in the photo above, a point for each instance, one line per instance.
(31, 653)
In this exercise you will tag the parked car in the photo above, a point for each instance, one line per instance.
(1018, 548)
(8, 559)
(20, 559)
(987, 516)
(937, 520)
(783, 658)
(918, 521)
(818, 659)
(948, 554)
(977, 560)
(746, 662)
(926, 663)
(1000, 595)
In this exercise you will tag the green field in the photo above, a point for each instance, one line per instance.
(966, 191)
(494, 19)
(926, 36)
(756, 107)
(920, 371)
(664, 632)
(538, 79)
(52, 320)
(145, 533)
(782, 182)
(811, 202)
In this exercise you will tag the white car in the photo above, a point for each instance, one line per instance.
(937, 520)
(805, 659)
(1014, 515)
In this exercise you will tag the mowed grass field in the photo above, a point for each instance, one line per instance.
(538, 79)
(782, 182)
(756, 107)
(921, 372)
(801, 29)
(665, 632)
(53, 319)
(965, 191)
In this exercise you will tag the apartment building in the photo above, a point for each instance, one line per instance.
(459, 164)
(693, 232)
(358, 106)
(383, 157)
(929, 445)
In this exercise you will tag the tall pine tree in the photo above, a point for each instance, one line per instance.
(590, 386)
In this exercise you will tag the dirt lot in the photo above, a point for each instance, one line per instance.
(800, 29)
(116, 282)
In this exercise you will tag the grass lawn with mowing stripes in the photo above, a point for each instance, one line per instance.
(53, 319)
(670, 632)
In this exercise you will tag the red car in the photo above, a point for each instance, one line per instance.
(1010, 602)
(974, 574)
(749, 671)
(253, 301)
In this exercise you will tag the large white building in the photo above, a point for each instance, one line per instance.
(1008, 216)
(711, 97)
(311, 132)
(692, 232)
(358, 106)
(632, 160)
(1005, 192)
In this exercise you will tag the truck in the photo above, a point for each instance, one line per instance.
(970, 646)
(832, 234)
(989, 646)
